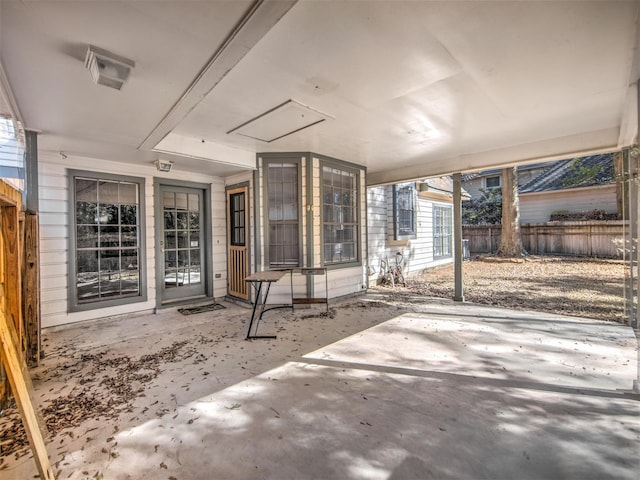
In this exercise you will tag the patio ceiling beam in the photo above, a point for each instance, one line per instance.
(583, 144)
(256, 23)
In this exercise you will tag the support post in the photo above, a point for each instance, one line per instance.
(457, 236)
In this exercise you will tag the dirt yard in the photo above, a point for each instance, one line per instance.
(591, 288)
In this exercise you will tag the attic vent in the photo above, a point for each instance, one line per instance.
(107, 68)
(285, 119)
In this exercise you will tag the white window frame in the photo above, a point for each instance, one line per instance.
(442, 240)
(498, 186)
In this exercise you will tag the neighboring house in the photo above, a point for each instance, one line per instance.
(565, 187)
(477, 182)
(11, 153)
(413, 219)
(568, 188)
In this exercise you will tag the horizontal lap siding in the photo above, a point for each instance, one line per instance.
(342, 282)
(417, 252)
(54, 233)
(377, 217)
(538, 207)
(345, 281)
(421, 251)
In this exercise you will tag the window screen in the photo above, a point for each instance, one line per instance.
(340, 215)
(282, 187)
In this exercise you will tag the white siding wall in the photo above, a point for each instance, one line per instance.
(473, 187)
(417, 252)
(54, 233)
(378, 198)
(537, 207)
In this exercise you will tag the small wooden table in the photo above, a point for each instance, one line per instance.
(257, 280)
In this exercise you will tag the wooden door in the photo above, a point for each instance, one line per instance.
(238, 241)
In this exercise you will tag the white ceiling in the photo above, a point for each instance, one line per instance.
(409, 89)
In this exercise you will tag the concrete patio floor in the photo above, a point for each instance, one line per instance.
(393, 387)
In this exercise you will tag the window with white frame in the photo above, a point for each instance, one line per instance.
(493, 182)
(339, 214)
(442, 231)
(107, 240)
(283, 220)
(404, 209)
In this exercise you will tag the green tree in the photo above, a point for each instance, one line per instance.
(486, 210)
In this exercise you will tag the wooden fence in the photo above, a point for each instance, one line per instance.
(19, 279)
(588, 238)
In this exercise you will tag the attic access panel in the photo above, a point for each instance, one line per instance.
(285, 119)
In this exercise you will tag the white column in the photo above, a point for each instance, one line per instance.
(457, 236)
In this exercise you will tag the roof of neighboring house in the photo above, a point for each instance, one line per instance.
(497, 171)
(443, 185)
(573, 173)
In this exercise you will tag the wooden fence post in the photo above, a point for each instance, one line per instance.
(31, 289)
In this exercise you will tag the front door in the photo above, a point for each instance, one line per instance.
(182, 243)
(238, 228)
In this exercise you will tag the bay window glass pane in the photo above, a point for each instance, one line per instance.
(340, 222)
(283, 214)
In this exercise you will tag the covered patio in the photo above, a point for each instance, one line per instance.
(147, 135)
(385, 387)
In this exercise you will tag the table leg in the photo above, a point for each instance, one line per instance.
(262, 309)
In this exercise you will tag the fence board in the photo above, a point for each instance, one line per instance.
(589, 238)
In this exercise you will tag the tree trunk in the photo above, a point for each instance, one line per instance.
(511, 242)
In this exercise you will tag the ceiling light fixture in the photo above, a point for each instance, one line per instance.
(107, 68)
(164, 165)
